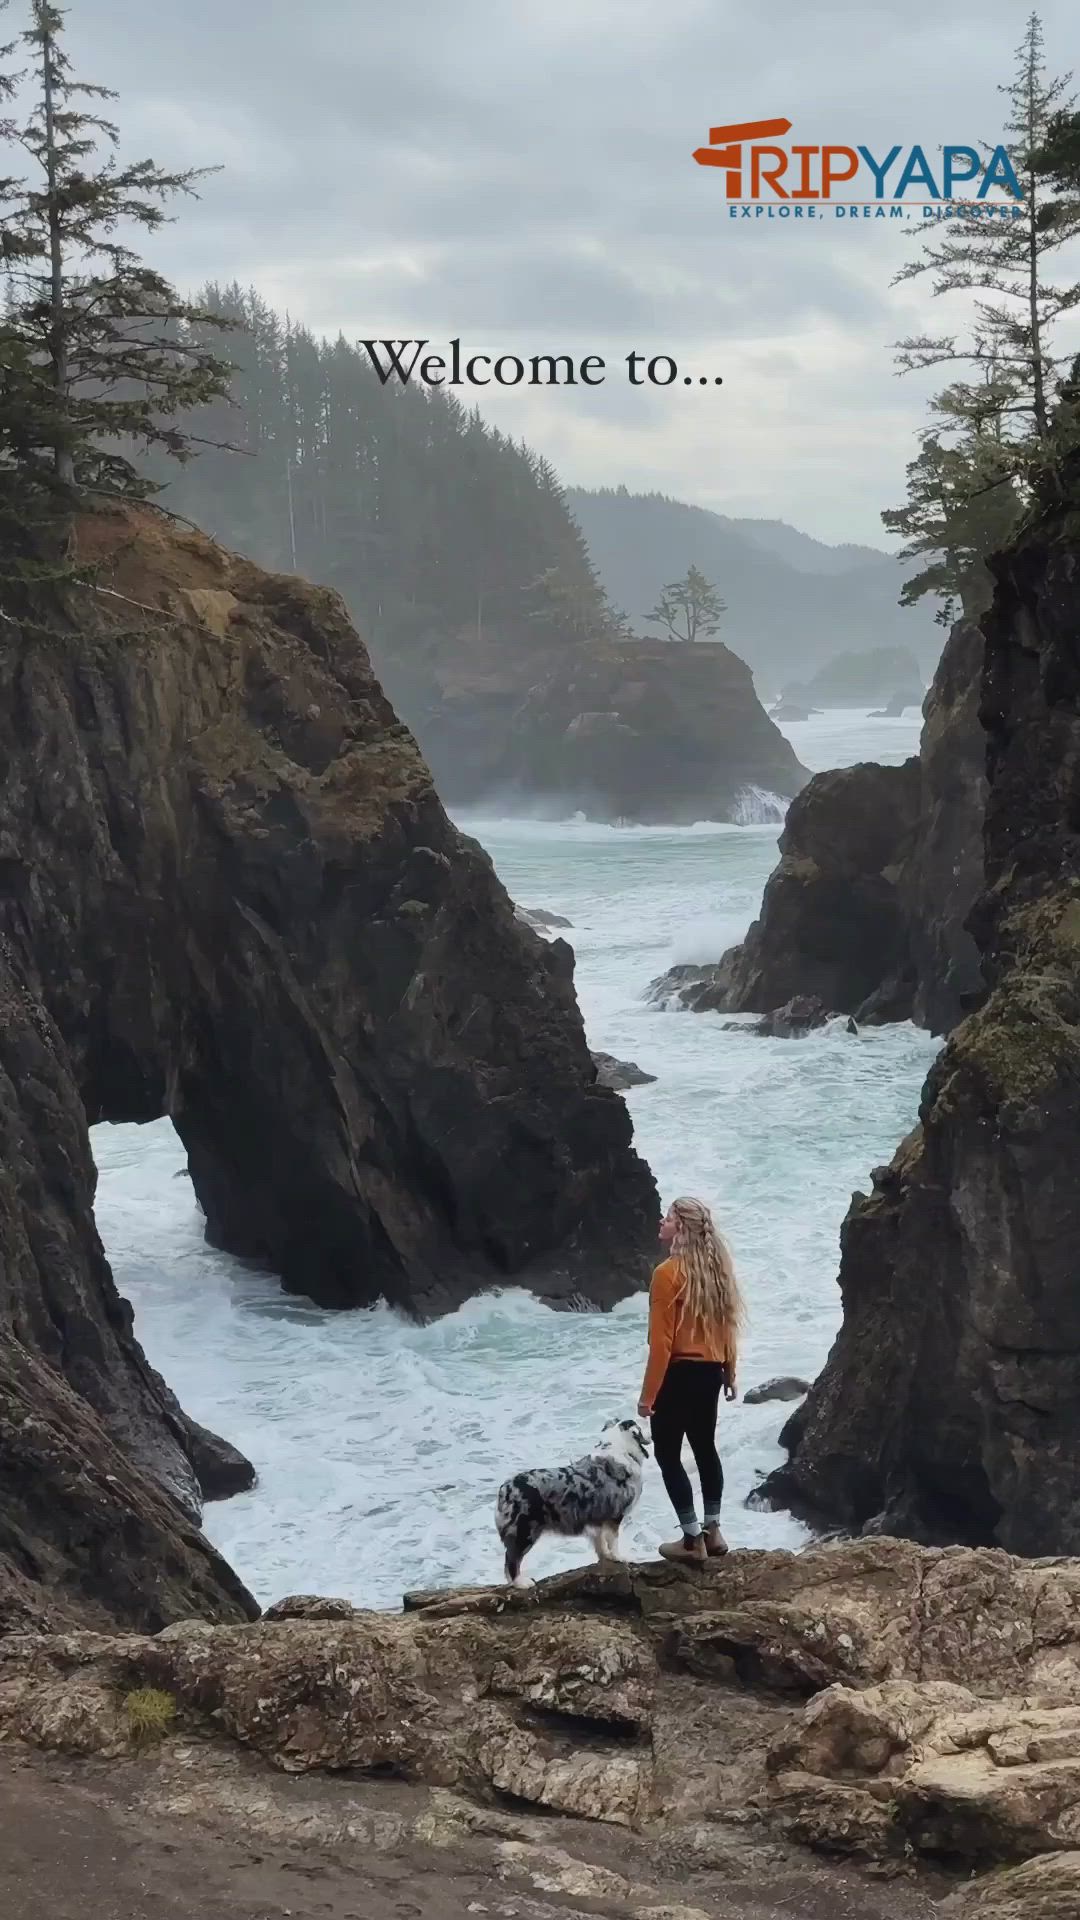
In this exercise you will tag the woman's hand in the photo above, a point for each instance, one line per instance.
(731, 1391)
(643, 1412)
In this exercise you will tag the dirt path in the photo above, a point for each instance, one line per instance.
(125, 1841)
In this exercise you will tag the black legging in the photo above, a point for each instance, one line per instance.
(686, 1408)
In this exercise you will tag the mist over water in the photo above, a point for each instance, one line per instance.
(380, 1444)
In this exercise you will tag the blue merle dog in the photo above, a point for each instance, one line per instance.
(591, 1496)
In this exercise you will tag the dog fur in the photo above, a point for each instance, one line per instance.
(591, 1496)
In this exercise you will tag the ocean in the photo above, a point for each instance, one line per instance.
(380, 1444)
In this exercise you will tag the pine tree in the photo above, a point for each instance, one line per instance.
(1004, 261)
(101, 358)
(1057, 159)
(690, 608)
(964, 498)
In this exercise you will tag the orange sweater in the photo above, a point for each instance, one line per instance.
(670, 1338)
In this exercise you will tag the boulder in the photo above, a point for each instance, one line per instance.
(801, 1015)
(537, 917)
(786, 1386)
(620, 1074)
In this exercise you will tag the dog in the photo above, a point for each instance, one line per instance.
(591, 1496)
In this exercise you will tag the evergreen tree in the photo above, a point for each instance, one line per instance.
(1004, 261)
(428, 521)
(1057, 160)
(101, 359)
(959, 510)
(690, 608)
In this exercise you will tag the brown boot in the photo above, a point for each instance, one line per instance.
(715, 1544)
(687, 1551)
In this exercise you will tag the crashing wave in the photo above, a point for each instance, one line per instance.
(757, 807)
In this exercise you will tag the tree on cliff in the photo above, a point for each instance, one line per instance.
(690, 608)
(1004, 260)
(98, 363)
(964, 498)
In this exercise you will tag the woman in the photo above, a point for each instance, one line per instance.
(695, 1312)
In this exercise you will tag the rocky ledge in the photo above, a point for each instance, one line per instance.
(873, 1701)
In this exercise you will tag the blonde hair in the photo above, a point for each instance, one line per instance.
(710, 1291)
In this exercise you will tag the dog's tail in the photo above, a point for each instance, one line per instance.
(507, 1517)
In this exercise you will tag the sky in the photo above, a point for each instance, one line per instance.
(518, 173)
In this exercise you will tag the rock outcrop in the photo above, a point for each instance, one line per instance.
(785, 1386)
(870, 1700)
(100, 1471)
(831, 925)
(232, 884)
(950, 1404)
(626, 731)
(229, 893)
(880, 868)
(620, 1074)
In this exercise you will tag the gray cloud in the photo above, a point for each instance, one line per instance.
(521, 176)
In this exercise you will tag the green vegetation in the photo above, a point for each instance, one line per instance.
(98, 361)
(690, 608)
(998, 435)
(425, 519)
(149, 1713)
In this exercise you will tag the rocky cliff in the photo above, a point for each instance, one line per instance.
(242, 903)
(636, 730)
(229, 893)
(100, 1471)
(949, 1404)
(879, 869)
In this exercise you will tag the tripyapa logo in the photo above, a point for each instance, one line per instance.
(802, 178)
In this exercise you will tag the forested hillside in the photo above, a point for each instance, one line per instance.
(420, 514)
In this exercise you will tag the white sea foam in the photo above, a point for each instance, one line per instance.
(380, 1444)
(757, 807)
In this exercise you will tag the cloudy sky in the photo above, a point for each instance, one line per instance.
(518, 172)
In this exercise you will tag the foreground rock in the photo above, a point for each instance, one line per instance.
(879, 870)
(950, 1404)
(86, 1537)
(101, 1474)
(871, 1699)
(620, 1074)
(623, 731)
(229, 879)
